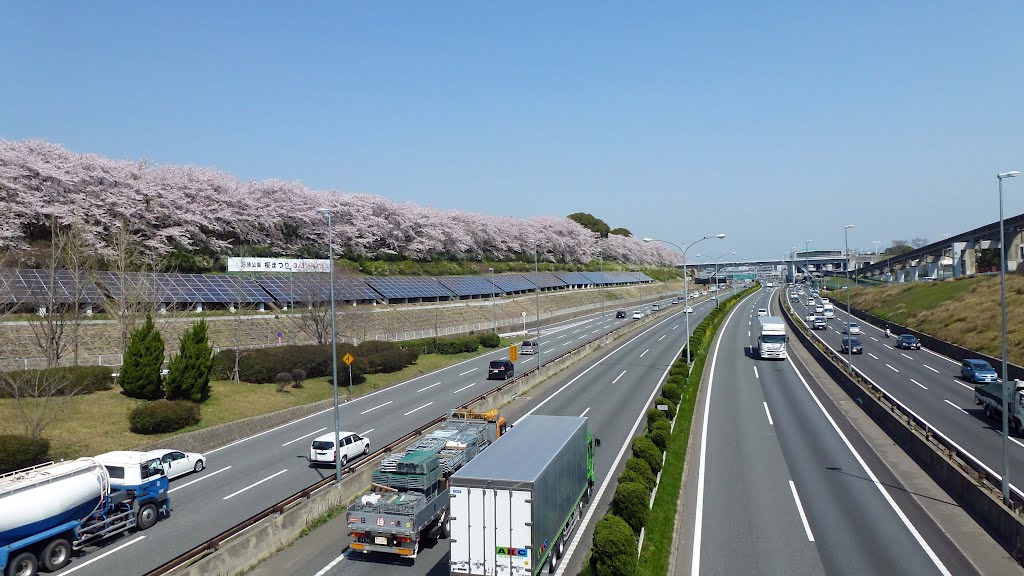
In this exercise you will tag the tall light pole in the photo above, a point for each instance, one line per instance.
(849, 336)
(1002, 303)
(494, 302)
(329, 212)
(807, 263)
(717, 285)
(536, 270)
(686, 289)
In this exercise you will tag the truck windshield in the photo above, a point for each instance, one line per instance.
(152, 468)
(773, 338)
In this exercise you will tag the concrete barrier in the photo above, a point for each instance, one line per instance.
(265, 538)
(972, 491)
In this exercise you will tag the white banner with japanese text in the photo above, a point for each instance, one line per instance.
(247, 264)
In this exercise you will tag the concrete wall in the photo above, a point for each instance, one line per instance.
(974, 492)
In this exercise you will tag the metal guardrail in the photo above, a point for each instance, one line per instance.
(985, 478)
(213, 544)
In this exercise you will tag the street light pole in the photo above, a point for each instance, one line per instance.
(536, 270)
(849, 336)
(494, 302)
(334, 346)
(686, 288)
(1002, 303)
(717, 285)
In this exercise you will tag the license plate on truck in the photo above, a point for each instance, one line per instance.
(383, 541)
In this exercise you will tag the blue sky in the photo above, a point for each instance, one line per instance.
(773, 122)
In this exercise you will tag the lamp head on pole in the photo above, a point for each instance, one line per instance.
(1010, 174)
(327, 211)
(648, 240)
(719, 236)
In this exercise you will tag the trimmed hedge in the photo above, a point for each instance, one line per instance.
(262, 366)
(644, 449)
(446, 345)
(489, 340)
(673, 392)
(642, 469)
(17, 452)
(614, 551)
(65, 381)
(653, 415)
(631, 504)
(660, 438)
(163, 416)
(671, 406)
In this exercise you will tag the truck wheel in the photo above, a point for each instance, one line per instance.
(55, 555)
(23, 564)
(551, 563)
(147, 517)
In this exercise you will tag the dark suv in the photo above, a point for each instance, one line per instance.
(852, 345)
(620, 314)
(500, 370)
(908, 342)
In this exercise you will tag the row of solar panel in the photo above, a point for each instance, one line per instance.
(28, 285)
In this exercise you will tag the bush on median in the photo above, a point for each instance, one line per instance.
(163, 416)
(631, 503)
(642, 470)
(644, 449)
(614, 548)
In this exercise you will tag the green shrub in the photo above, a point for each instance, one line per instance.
(642, 469)
(660, 425)
(644, 449)
(64, 381)
(371, 347)
(262, 365)
(283, 379)
(163, 416)
(17, 452)
(653, 415)
(673, 392)
(660, 438)
(298, 376)
(188, 373)
(676, 381)
(143, 359)
(614, 548)
(631, 503)
(458, 345)
(489, 340)
(671, 406)
(387, 361)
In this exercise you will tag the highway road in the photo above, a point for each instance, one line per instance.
(928, 384)
(785, 485)
(246, 476)
(613, 389)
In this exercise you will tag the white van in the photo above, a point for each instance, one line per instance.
(352, 445)
(655, 307)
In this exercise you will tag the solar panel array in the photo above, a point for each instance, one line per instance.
(544, 279)
(152, 287)
(468, 285)
(395, 287)
(513, 283)
(33, 286)
(314, 288)
(574, 278)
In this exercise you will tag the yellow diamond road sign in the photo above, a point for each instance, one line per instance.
(348, 358)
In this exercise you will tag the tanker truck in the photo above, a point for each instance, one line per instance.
(51, 510)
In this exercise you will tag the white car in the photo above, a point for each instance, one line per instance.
(824, 300)
(851, 328)
(689, 309)
(810, 301)
(177, 463)
(638, 315)
(762, 312)
(322, 451)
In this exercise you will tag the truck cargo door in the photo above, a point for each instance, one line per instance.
(489, 531)
(461, 530)
(504, 552)
(521, 533)
(477, 531)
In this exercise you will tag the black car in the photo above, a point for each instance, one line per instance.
(908, 342)
(855, 343)
(620, 314)
(500, 370)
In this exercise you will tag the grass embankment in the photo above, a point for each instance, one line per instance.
(659, 531)
(964, 311)
(98, 422)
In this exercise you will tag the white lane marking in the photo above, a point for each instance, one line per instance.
(644, 352)
(662, 337)
(905, 355)
(756, 375)
(566, 343)
(698, 524)
(933, 353)
(214, 473)
(101, 556)
(331, 564)
(585, 412)
(881, 488)
(304, 436)
(233, 494)
(918, 383)
(968, 386)
(562, 336)
(367, 432)
(676, 326)
(429, 387)
(378, 406)
(770, 422)
(619, 376)
(873, 338)
(467, 371)
(954, 406)
(595, 331)
(575, 331)
(463, 388)
(415, 409)
(930, 368)
(891, 368)
(1017, 442)
(800, 509)
(268, 431)
(872, 355)
(887, 346)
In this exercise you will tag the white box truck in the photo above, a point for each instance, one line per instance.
(829, 311)
(771, 337)
(515, 506)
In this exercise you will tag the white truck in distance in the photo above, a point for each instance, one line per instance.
(829, 311)
(771, 337)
